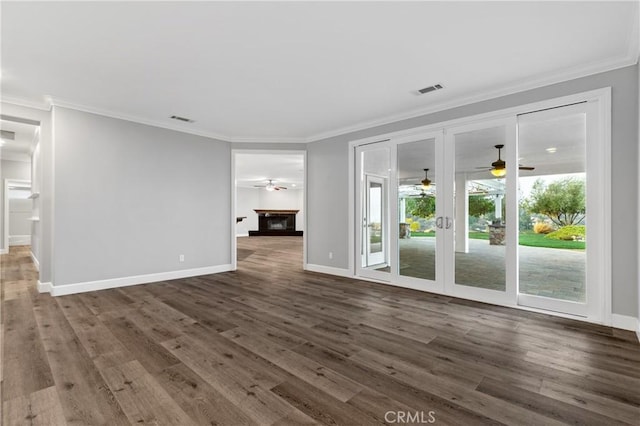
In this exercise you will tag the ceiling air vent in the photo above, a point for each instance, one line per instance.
(8, 135)
(186, 120)
(430, 89)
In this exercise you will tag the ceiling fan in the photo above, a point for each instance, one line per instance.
(499, 167)
(270, 186)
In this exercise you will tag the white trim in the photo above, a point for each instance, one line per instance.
(44, 287)
(624, 322)
(329, 270)
(4, 251)
(19, 240)
(44, 105)
(244, 234)
(64, 289)
(35, 261)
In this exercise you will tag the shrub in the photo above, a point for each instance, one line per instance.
(542, 228)
(408, 220)
(568, 233)
(415, 226)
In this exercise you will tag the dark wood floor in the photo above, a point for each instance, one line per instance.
(271, 344)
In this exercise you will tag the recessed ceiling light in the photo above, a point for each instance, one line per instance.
(293, 184)
(551, 150)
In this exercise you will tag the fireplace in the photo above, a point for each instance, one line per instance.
(276, 222)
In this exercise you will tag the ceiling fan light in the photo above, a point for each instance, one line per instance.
(499, 172)
(270, 188)
(426, 182)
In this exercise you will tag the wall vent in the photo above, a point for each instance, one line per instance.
(186, 120)
(430, 89)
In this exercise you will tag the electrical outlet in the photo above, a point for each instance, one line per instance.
(330, 255)
(181, 258)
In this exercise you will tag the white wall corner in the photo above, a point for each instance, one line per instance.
(340, 272)
(44, 287)
(65, 289)
(35, 261)
(625, 322)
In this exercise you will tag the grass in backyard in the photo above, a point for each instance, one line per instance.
(530, 239)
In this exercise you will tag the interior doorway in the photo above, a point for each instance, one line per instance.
(269, 206)
(19, 157)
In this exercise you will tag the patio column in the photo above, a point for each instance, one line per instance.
(462, 214)
(498, 205)
(403, 210)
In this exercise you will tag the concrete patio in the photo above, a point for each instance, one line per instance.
(545, 272)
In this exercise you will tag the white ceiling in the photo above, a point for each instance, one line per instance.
(283, 169)
(299, 71)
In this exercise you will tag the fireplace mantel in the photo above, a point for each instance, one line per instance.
(272, 211)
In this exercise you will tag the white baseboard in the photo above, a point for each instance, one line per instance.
(64, 289)
(245, 234)
(35, 261)
(4, 251)
(625, 322)
(329, 270)
(19, 240)
(44, 287)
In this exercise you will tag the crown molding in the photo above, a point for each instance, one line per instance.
(45, 105)
(485, 95)
(631, 58)
(135, 119)
(267, 140)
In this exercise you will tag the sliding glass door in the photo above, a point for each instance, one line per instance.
(560, 210)
(510, 211)
(481, 241)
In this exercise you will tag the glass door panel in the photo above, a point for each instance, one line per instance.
(557, 221)
(417, 248)
(480, 180)
(373, 215)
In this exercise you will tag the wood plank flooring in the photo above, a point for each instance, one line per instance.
(271, 344)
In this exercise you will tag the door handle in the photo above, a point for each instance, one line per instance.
(449, 222)
(439, 222)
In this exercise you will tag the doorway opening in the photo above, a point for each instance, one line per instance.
(269, 207)
(19, 170)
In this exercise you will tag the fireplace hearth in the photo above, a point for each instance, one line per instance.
(276, 223)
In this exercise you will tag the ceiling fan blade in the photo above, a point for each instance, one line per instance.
(282, 187)
(484, 168)
(259, 186)
(526, 168)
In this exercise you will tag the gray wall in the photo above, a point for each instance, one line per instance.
(328, 181)
(130, 198)
(10, 170)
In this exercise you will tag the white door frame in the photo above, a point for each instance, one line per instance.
(234, 152)
(5, 202)
(603, 99)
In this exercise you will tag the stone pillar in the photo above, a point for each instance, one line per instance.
(462, 214)
(498, 205)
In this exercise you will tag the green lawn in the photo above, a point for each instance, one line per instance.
(526, 239)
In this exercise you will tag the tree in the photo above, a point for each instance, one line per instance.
(480, 205)
(422, 207)
(562, 201)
